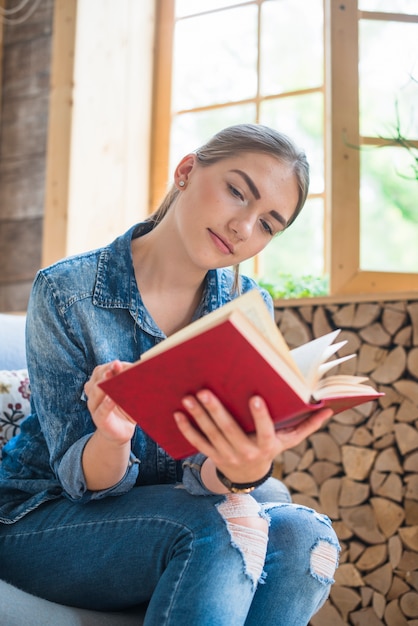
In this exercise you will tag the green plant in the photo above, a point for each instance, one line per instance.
(289, 286)
(398, 139)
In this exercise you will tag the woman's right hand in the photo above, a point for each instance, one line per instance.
(112, 423)
(242, 457)
(106, 455)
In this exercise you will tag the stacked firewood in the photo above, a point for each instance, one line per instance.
(361, 469)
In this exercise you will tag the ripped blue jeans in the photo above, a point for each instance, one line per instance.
(183, 555)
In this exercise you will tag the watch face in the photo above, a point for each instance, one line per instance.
(242, 490)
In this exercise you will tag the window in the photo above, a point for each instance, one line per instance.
(388, 90)
(316, 74)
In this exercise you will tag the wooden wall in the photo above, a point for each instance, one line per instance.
(81, 96)
(361, 469)
(23, 137)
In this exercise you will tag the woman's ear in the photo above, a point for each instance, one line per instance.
(183, 170)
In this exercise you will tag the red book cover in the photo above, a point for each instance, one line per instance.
(226, 362)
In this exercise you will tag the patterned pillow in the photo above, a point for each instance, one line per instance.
(14, 402)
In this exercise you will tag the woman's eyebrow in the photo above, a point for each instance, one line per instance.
(250, 183)
(253, 188)
(278, 217)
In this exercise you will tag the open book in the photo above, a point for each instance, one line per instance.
(237, 351)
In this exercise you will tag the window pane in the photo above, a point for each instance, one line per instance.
(389, 6)
(229, 73)
(301, 117)
(190, 7)
(299, 249)
(284, 64)
(388, 67)
(389, 218)
(215, 58)
(191, 130)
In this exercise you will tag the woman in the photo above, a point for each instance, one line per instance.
(94, 513)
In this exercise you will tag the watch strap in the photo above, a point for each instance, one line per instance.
(243, 487)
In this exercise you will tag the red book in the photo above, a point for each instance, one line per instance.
(229, 353)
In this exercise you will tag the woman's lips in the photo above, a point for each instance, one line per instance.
(223, 245)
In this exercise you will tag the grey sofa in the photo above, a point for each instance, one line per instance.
(18, 608)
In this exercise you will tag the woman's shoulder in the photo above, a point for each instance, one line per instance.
(73, 262)
(68, 266)
(72, 274)
(86, 273)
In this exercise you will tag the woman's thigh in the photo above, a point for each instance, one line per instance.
(109, 553)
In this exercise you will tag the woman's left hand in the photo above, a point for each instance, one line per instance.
(242, 457)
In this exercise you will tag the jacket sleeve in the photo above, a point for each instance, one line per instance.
(59, 365)
(192, 480)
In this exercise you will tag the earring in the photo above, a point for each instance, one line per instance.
(181, 183)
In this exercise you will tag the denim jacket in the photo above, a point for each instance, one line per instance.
(83, 311)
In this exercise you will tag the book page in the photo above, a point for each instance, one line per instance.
(343, 385)
(310, 356)
(260, 317)
(325, 367)
(251, 304)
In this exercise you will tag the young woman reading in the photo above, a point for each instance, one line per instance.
(94, 514)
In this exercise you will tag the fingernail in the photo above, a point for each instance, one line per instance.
(257, 403)
(203, 396)
(188, 403)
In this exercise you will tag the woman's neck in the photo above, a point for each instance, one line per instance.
(170, 288)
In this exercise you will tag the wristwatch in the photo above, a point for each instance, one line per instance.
(242, 487)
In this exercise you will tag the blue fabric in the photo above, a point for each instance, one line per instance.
(84, 311)
(18, 608)
(162, 537)
(160, 542)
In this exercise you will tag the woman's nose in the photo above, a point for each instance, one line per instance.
(243, 226)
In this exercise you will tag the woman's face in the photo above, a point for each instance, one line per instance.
(229, 211)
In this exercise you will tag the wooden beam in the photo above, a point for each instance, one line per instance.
(343, 162)
(59, 131)
(342, 124)
(369, 282)
(161, 118)
(388, 17)
(2, 4)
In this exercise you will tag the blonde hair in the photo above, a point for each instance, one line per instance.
(241, 138)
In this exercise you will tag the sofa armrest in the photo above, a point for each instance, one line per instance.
(18, 608)
(12, 342)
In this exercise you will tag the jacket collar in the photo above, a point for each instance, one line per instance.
(116, 285)
(115, 280)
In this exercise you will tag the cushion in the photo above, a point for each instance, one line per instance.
(14, 402)
(18, 608)
(12, 342)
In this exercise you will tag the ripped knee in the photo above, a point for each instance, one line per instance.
(316, 548)
(248, 527)
(324, 560)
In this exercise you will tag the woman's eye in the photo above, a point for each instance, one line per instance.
(266, 226)
(235, 192)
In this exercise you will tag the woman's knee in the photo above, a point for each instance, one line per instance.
(306, 537)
